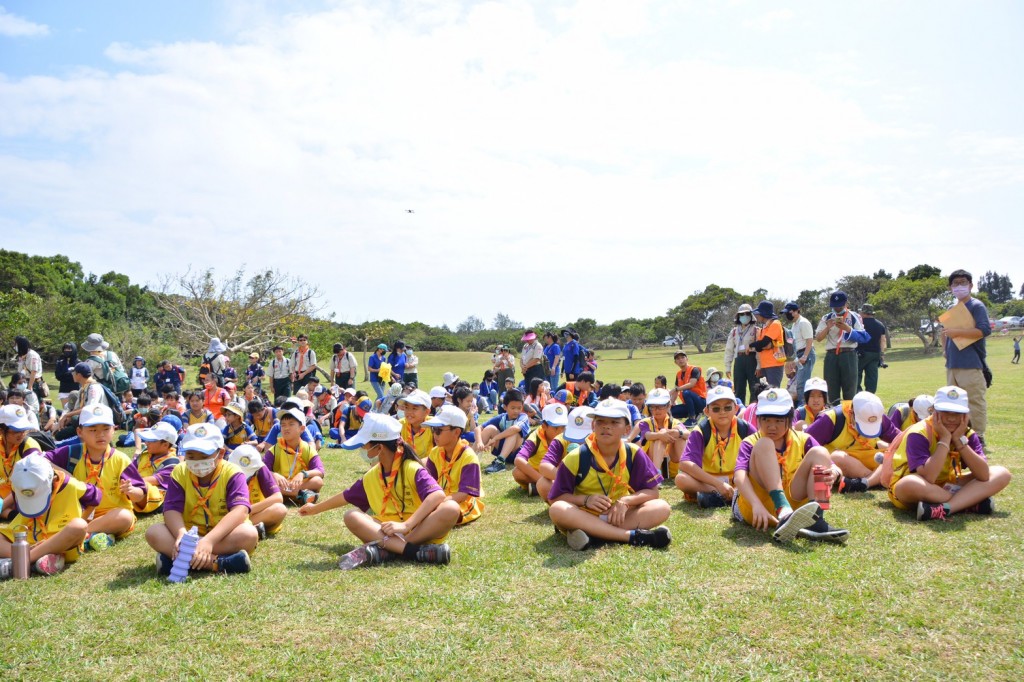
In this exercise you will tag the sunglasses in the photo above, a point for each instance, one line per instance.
(439, 429)
(722, 408)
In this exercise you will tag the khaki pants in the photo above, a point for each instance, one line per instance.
(972, 381)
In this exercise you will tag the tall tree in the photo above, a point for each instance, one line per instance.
(903, 303)
(246, 314)
(858, 288)
(705, 317)
(470, 325)
(503, 322)
(998, 287)
(923, 272)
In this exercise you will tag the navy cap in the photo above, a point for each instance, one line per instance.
(792, 306)
(765, 309)
(838, 299)
(84, 369)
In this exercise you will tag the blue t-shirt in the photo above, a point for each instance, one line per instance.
(374, 365)
(971, 356)
(397, 363)
(171, 378)
(876, 329)
(502, 422)
(552, 353)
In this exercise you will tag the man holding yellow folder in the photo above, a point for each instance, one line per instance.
(965, 327)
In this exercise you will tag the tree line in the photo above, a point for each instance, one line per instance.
(51, 300)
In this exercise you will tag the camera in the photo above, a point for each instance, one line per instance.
(883, 365)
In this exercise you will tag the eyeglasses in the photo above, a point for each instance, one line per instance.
(722, 408)
(439, 429)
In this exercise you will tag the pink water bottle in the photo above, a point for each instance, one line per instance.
(20, 556)
(822, 489)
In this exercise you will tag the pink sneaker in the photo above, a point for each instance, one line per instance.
(50, 564)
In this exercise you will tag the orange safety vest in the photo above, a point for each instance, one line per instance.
(700, 388)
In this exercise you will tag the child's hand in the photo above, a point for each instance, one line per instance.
(726, 491)
(960, 430)
(125, 487)
(763, 520)
(599, 503)
(617, 514)
(308, 509)
(296, 483)
(392, 528)
(202, 558)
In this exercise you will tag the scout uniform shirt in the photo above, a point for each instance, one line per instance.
(621, 477)
(459, 474)
(69, 497)
(797, 445)
(204, 506)
(287, 462)
(917, 446)
(715, 452)
(836, 430)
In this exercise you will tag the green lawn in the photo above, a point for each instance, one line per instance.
(902, 600)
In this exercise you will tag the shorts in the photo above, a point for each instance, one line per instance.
(70, 556)
(154, 502)
(745, 510)
(865, 457)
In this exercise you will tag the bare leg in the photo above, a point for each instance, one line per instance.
(524, 473)
(271, 517)
(648, 515)
(438, 523)
(115, 522)
(544, 488)
(69, 536)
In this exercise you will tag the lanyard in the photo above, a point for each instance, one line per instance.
(294, 453)
(620, 476)
(203, 501)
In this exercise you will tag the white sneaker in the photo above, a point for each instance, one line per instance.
(578, 540)
(795, 522)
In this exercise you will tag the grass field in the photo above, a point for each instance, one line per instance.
(903, 600)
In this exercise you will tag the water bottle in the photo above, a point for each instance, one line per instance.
(20, 555)
(822, 489)
(187, 546)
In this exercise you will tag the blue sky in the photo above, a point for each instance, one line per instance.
(563, 159)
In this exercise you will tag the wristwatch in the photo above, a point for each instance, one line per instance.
(963, 440)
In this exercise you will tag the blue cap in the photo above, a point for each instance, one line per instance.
(792, 306)
(173, 421)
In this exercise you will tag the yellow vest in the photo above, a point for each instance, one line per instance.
(900, 467)
(404, 499)
(449, 477)
(421, 443)
(109, 479)
(216, 508)
(289, 464)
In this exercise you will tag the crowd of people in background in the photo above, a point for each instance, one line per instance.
(764, 437)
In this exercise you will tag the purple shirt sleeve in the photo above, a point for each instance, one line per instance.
(425, 484)
(918, 451)
(237, 492)
(174, 500)
(268, 486)
(163, 478)
(428, 464)
(645, 428)
(526, 452)
(889, 430)
(565, 483)
(315, 463)
(356, 496)
(58, 457)
(743, 458)
(131, 474)
(643, 475)
(694, 450)
(268, 458)
(821, 429)
(469, 481)
(91, 497)
(555, 453)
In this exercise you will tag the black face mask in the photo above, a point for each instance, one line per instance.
(789, 316)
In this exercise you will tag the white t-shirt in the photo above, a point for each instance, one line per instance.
(138, 377)
(802, 331)
(30, 364)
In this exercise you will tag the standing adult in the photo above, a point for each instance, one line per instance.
(396, 358)
(532, 360)
(842, 330)
(138, 377)
(771, 357)
(303, 363)
(168, 377)
(373, 369)
(100, 356)
(966, 368)
(871, 353)
(281, 373)
(31, 365)
(505, 366)
(740, 363)
(344, 368)
(803, 348)
(553, 352)
(66, 363)
(412, 367)
(214, 359)
(572, 358)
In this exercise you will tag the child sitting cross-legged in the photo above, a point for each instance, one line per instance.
(267, 510)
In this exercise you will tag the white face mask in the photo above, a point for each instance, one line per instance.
(962, 290)
(400, 414)
(365, 452)
(744, 319)
(201, 467)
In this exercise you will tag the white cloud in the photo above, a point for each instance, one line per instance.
(769, 21)
(17, 27)
(537, 150)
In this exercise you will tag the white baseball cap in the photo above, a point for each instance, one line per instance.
(612, 408)
(204, 438)
(15, 418)
(579, 424)
(247, 458)
(96, 414)
(449, 379)
(816, 384)
(293, 412)
(448, 415)
(719, 392)
(32, 481)
(350, 391)
(417, 397)
(869, 414)
(438, 392)
(555, 414)
(923, 405)
(376, 427)
(952, 399)
(659, 396)
(159, 431)
(774, 403)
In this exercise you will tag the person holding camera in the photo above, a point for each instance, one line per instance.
(967, 368)
(842, 331)
(871, 353)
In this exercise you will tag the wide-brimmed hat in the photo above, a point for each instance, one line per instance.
(95, 342)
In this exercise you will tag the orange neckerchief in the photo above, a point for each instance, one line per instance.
(851, 426)
(294, 453)
(839, 340)
(810, 416)
(203, 501)
(444, 476)
(389, 481)
(722, 444)
(929, 425)
(620, 477)
(94, 471)
(654, 423)
(407, 435)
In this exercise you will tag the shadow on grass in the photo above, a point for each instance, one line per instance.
(558, 554)
(744, 536)
(133, 576)
(955, 523)
(540, 518)
(692, 510)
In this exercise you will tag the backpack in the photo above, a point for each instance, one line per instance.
(114, 377)
(586, 457)
(114, 403)
(787, 344)
(206, 368)
(743, 429)
(45, 440)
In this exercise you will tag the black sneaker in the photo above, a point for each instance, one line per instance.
(852, 485)
(163, 565)
(531, 490)
(710, 500)
(234, 563)
(6, 569)
(434, 554)
(820, 531)
(378, 555)
(659, 538)
(261, 530)
(986, 507)
(497, 466)
(930, 512)
(804, 517)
